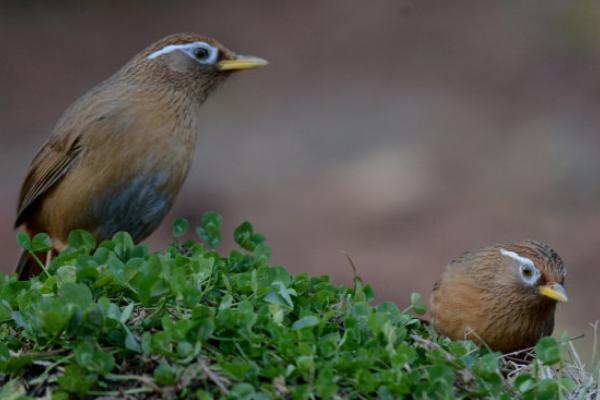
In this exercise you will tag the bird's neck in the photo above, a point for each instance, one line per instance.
(154, 78)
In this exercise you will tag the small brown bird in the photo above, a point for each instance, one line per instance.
(503, 296)
(120, 153)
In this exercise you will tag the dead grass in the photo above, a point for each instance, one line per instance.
(585, 377)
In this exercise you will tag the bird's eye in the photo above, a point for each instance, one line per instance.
(201, 53)
(529, 274)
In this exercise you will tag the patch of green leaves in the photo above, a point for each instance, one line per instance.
(76, 380)
(112, 319)
(415, 302)
(92, 358)
(39, 243)
(245, 237)
(210, 229)
(548, 351)
(180, 227)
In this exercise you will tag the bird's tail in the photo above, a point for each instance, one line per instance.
(27, 266)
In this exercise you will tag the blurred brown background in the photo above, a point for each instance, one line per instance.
(402, 133)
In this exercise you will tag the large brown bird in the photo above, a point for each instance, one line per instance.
(120, 153)
(503, 296)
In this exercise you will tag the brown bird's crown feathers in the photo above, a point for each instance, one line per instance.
(542, 255)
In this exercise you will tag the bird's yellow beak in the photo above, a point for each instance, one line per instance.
(555, 291)
(241, 62)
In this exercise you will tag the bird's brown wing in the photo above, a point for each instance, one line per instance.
(49, 165)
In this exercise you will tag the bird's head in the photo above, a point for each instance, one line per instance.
(534, 269)
(189, 61)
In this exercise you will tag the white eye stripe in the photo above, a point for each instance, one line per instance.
(525, 264)
(188, 49)
(519, 259)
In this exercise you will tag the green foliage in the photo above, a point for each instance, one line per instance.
(246, 238)
(180, 227)
(39, 243)
(114, 320)
(210, 230)
(548, 351)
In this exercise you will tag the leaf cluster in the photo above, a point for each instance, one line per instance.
(114, 319)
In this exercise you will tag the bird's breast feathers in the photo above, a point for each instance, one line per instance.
(136, 205)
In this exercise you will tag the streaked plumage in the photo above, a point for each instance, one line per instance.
(119, 155)
(486, 296)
